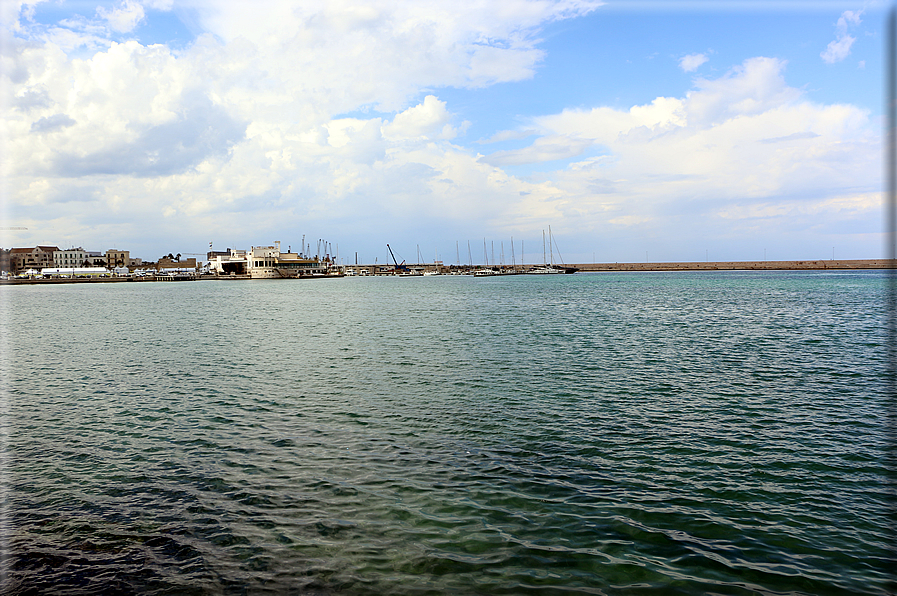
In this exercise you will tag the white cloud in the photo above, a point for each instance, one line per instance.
(245, 122)
(383, 53)
(124, 17)
(427, 119)
(507, 135)
(326, 115)
(839, 48)
(12, 10)
(730, 146)
(691, 62)
(547, 148)
(605, 125)
(159, 4)
(848, 18)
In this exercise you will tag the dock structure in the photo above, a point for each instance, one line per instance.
(40, 280)
(420, 269)
(819, 264)
(809, 265)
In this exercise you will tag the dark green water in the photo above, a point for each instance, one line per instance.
(674, 433)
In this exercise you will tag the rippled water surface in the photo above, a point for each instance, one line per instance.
(641, 433)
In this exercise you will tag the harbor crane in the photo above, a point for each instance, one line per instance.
(398, 266)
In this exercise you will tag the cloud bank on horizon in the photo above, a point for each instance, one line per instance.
(162, 125)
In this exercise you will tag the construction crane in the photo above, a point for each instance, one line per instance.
(398, 266)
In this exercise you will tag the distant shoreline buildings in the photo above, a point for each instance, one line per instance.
(270, 262)
(36, 259)
(259, 262)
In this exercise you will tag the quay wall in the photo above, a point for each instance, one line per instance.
(819, 264)
(92, 280)
(743, 265)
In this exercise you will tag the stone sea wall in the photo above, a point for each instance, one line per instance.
(742, 265)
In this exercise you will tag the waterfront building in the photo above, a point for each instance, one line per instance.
(231, 262)
(117, 258)
(165, 263)
(96, 259)
(262, 260)
(212, 254)
(267, 262)
(290, 264)
(70, 257)
(37, 257)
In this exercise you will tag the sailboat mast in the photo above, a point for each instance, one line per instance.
(550, 248)
(560, 256)
(543, 248)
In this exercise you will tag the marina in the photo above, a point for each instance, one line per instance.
(310, 269)
(75, 265)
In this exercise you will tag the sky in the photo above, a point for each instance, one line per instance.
(637, 131)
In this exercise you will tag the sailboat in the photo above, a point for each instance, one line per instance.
(548, 267)
(504, 269)
(435, 269)
(487, 271)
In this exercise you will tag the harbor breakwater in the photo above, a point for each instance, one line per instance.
(743, 265)
(810, 265)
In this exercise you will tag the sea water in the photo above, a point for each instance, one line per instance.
(614, 433)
